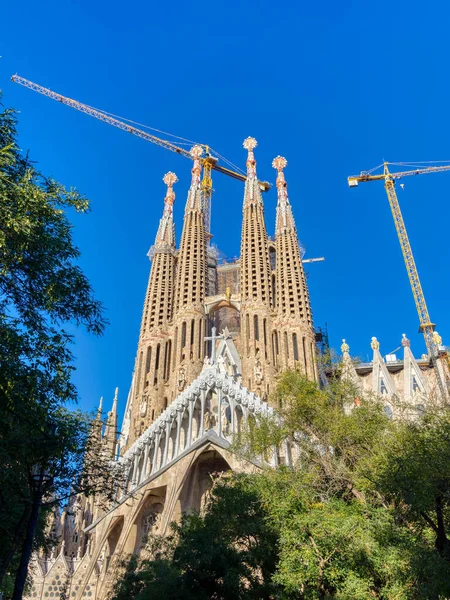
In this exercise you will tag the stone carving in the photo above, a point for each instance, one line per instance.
(437, 339)
(143, 407)
(257, 371)
(375, 344)
(221, 363)
(181, 379)
(405, 342)
(344, 347)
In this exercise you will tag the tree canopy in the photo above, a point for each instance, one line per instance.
(42, 289)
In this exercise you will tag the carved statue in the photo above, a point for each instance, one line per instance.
(345, 347)
(228, 293)
(437, 339)
(375, 344)
(405, 342)
(207, 421)
(225, 419)
(181, 379)
(143, 407)
(221, 363)
(257, 371)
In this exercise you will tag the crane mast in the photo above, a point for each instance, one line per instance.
(209, 162)
(426, 326)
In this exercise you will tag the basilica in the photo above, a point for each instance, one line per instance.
(214, 337)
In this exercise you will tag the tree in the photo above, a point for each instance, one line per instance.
(412, 468)
(42, 441)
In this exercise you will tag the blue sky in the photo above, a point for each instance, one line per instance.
(335, 87)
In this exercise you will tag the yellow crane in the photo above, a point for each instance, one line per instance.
(389, 178)
(209, 162)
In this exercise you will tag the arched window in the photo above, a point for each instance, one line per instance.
(304, 356)
(139, 382)
(183, 339)
(158, 351)
(148, 362)
(200, 339)
(265, 336)
(256, 327)
(192, 332)
(295, 345)
(247, 332)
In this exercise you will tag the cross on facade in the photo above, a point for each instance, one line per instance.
(213, 339)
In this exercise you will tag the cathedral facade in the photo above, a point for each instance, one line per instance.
(213, 338)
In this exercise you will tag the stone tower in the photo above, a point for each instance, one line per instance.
(154, 347)
(191, 285)
(293, 332)
(255, 284)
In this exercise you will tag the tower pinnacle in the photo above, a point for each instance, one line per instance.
(194, 200)
(250, 144)
(294, 319)
(166, 233)
(285, 217)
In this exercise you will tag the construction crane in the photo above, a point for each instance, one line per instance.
(426, 326)
(209, 162)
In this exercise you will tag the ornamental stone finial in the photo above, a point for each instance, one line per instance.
(279, 163)
(344, 347)
(437, 339)
(375, 344)
(405, 342)
(250, 144)
(196, 151)
(170, 179)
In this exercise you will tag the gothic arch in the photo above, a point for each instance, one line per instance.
(199, 478)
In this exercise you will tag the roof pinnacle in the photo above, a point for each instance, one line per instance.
(279, 163)
(285, 218)
(116, 397)
(170, 179)
(250, 144)
(344, 347)
(196, 151)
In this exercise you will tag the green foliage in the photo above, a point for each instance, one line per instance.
(41, 289)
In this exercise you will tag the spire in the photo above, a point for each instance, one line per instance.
(165, 238)
(292, 292)
(194, 200)
(252, 194)
(97, 423)
(111, 426)
(349, 374)
(100, 408)
(255, 262)
(285, 218)
(192, 263)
